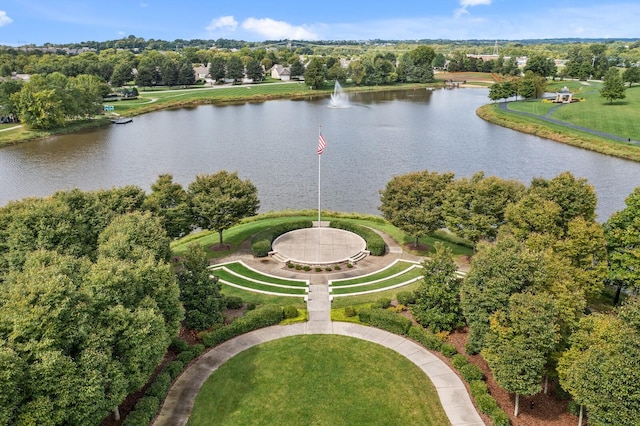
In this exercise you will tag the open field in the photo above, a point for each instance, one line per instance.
(319, 380)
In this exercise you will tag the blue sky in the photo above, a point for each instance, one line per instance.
(68, 21)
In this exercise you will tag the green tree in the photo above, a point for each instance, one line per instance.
(413, 202)
(122, 74)
(7, 103)
(170, 202)
(622, 232)
(235, 68)
(357, 71)
(147, 73)
(221, 200)
(255, 71)
(297, 69)
(186, 74)
(599, 370)
(474, 209)
(631, 75)
(218, 68)
(613, 86)
(315, 75)
(39, 109)
(169, 71)
(541, 65)
(520, 340)
(199, 291)
(437, 305)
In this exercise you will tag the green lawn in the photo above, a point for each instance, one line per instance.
(242, 269)
(263, 299)
(407, 277)
(341, 302)
(318, 380)
(245, 283)
(393, 269)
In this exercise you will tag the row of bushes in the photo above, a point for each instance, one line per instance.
(263, 316)
(385, 320)
(470, 372)
(147, 407)
(375, 243)
(261, 242)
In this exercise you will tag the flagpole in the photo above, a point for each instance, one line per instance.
(319, 160)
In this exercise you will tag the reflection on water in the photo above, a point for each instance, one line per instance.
(274, 145)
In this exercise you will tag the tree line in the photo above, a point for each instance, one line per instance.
(89, 297)
(541, 260)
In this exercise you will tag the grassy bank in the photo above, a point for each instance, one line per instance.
(622, 118)
(23, 134)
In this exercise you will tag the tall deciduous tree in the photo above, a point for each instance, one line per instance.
(613, 86)
(170, 202)
(315, 75)
(235, 68)
(199, 291)
(600, 369)
(255, 71)
(622, 232)
(221, 200)
(437, 305)
(474, 209)
(413, 202)
(520, 340)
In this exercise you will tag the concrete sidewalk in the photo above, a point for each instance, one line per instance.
(452, 392)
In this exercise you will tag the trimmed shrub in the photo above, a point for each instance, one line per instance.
(198, 349)
(159, 386)
(349, 311)
(290, 311)
(448, 350)
(233, 302)
(252, 320)
(500, 418)
(459, 361)
(261, 242)
(477, 388)
(385, 320)
(174, 368)
(573, 408)
(486, 404)
(137, 418)
(178, 345)
(149, 405)
(375, 243)
(382, 303)
(186, 356)
(425, 338)
(406, 297)
(251, 306)
(471, 372)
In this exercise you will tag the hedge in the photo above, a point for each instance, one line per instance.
(252, 320)
(375, 243)
(261, 242)
(459, 361)
(486, 404)
(385, 320)
(425, 338)
(500, 418)
(471, 372)
(478, 387)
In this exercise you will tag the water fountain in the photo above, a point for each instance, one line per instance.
(339, 99)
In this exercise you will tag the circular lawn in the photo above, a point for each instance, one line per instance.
(318, 380)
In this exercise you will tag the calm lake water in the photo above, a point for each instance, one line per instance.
(274, 145)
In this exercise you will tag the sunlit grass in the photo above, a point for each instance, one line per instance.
(318, 380)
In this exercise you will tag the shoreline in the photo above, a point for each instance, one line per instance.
(488, 112)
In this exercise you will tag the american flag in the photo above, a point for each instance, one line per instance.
(322, 144)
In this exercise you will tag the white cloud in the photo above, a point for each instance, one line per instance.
(464, 4)
(4, 19)
(223, 23)
(467, 3)
(274, 30)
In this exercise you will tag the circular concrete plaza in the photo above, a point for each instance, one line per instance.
(315, 246)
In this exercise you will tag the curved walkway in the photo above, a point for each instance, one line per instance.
(452, 392)
(505, 107)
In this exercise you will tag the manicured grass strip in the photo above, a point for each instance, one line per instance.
(233, 280)
(358, 299)
(318, 380)
(395, 268)
(408, 277)
(250, 296)
(242, 269)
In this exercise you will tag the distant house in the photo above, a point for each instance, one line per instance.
(281, 73)
(201, 71)
(564, 96)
